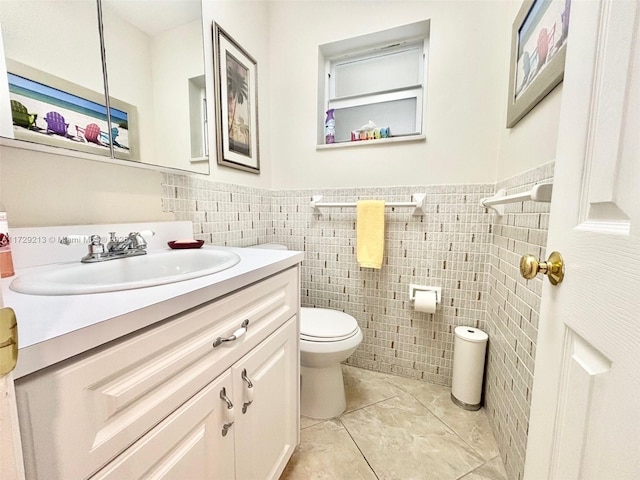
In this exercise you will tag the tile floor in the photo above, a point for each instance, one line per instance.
(396, 428)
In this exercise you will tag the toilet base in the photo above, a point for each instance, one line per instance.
(322, 392)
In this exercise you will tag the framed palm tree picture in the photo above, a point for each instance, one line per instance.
(236, 85)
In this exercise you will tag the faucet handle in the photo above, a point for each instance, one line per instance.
(138, 238)
(96, 246)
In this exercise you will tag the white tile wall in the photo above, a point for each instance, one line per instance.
(447, 247)
(222, 214)
(513, 306)
(458, 245)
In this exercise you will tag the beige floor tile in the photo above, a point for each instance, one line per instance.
(492, 470)
(364, 387)
(403, 440)
(472, 426)
(327, 452)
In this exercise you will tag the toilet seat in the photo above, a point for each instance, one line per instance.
(326, 325)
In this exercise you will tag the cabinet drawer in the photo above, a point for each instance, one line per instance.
(80, 414)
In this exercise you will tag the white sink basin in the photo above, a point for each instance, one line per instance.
(124, 273)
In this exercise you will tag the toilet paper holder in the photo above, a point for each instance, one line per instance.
(413, 288)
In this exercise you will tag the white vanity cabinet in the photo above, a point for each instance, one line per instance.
(198, 441)
(149, 405)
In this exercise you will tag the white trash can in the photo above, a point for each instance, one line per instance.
(469, 349)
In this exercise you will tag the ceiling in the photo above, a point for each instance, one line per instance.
(156, 16)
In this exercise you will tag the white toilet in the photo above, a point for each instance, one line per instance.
(327, 338)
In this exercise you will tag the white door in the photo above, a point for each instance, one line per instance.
(585, 414)
(10, 448)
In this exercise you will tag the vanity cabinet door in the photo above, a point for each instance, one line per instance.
(189, 444)
(267, 432)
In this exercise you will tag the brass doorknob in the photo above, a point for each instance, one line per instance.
(8, 340)
(552, 268)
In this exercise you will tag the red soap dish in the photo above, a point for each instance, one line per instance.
(177, 244)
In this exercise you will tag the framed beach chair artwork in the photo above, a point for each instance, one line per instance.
(70, 115)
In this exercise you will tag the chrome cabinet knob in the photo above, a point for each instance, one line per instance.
(229, 416)
(249, 391)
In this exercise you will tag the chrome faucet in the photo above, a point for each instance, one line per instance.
(134, 241)
(132, 245)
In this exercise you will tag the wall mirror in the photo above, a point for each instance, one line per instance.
(155, 69)
(54, 70)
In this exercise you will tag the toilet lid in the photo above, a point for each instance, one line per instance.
(326, 325)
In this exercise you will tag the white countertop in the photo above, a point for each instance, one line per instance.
(54, 328)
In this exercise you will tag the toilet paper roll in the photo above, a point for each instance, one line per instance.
(425, 302)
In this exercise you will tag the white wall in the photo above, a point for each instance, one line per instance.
(177, 57)
(129, 55)
(30, 35)
(44, 189)
(466, 95)
(532, 141)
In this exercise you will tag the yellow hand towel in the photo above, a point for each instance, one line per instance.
(370, 233)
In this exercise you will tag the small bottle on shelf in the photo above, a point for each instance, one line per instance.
(330, 127)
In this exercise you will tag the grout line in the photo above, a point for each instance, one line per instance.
(357, 446)
(318, 421)
(441, 420)
(480, 466)
(361, 408)
(369, 405)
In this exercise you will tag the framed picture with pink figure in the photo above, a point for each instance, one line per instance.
(538, 51)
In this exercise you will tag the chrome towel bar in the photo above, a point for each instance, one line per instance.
(417, 203)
